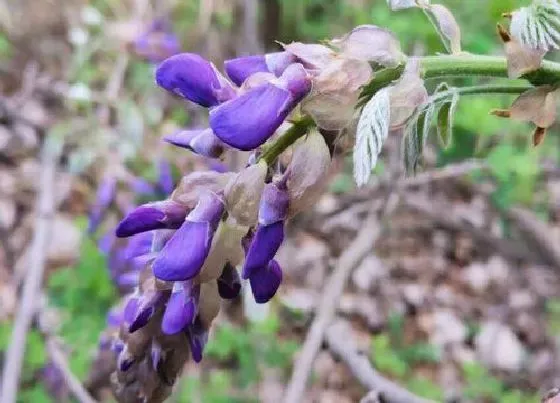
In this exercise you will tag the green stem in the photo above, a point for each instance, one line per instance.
(298, 129)
(434, 67)
(463, 66)
(514, 88)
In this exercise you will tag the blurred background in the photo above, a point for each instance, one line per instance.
(460, 298)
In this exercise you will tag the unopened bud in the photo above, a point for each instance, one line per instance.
(308, 172)
(243, 193)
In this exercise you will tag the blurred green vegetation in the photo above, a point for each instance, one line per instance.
(244, 354)
(400, 361)
(84, 293)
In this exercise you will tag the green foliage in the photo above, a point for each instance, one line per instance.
(35, 355)
(480, 385)
(390, 355)
(424, 387)
(6, 49)
(552, 311)
(516, 171)
(83, 294)
(5, 334)
(251, 349)
(36, 394)
(217, 389)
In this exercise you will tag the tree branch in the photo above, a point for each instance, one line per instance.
(74, 385)
(340, 342)
(332, 292)
(34, 276)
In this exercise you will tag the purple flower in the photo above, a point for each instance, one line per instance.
(184, 254)
(202, 142)
(131, 308)
(156, 355)
(141, 187)
(265, 282)
(151, 216)
(106, 242)
(125, 262)
(115, 317)
(194, 78)
(158, 42)
(146, 307)
(181, 308)
(54, 382)
(249, 120)
(198, 337)
(238, 70)
(103, 199)
(138, 245)
(265, 244)
(229, 284)
(165, 179)
(269, 234)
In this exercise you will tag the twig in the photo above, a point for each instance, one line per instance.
(74, 385)
(34, 276)
(511, 249)
(332, 292)
(538, 231)
(339, 339)
(113, 86)
(422, 179)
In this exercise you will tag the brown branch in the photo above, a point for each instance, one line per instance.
(34, 276)
(441, 216)
(59, 360)
(538, 232)
(341, 343)
(332, 292)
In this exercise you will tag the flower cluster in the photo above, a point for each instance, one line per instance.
(214, 222)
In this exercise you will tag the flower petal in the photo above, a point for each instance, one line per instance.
(151, 216)
(183, 255)
(266, 281)
(239, 69)
(229, 283)
(264, 246)
(147, 305)
(202, 142)
(198, 337)
(251, 119)
(180, 311)
(190, 76)
(371, 43)
(274, 204)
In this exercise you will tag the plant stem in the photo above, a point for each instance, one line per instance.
(514, 88)
(463, 66)
(434, 67)
(299, 129)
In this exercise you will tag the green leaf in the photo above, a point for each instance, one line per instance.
(445, 120)
(416, 134)
(371, 133)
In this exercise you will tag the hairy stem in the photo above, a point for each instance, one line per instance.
(299, 129)
(443, 66)
(514, 88)
(434, 67)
